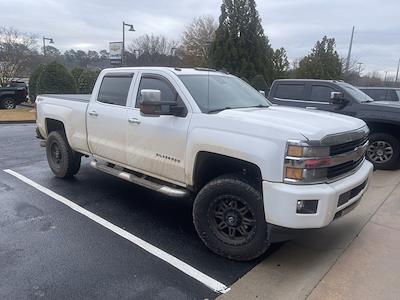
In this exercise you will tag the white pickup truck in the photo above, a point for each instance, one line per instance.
(254, 170)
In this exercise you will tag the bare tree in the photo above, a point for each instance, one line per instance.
(196, 40)
(16, 49)
(153, 45)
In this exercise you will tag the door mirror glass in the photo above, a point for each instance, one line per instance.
(338, 98)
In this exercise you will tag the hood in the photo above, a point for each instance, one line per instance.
(312, 124)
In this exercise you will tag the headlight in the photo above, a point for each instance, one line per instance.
(306, 163)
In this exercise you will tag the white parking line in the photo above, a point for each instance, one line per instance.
(172, 260)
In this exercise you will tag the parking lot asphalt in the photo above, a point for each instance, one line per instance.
(48, 250)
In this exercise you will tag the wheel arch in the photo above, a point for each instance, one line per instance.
(209, 165)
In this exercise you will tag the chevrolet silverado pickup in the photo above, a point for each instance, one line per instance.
(255, 171)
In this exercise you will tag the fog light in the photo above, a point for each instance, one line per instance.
(307, 207)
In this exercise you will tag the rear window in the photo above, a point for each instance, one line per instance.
(290, 91)
(114, 89)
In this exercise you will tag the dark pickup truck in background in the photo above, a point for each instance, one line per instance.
(382, 93)
(13, 94)
(382, 118)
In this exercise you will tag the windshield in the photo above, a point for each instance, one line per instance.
(356, 93)
(218, 92)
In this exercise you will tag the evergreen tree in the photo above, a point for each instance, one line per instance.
(281, 63)
(55, 79)
(322, 63)
(33, 81)
(240, 45)
(87, 81)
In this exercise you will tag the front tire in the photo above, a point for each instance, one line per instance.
(8, 103)
(63, 161)
(384, 151)
(229, 218)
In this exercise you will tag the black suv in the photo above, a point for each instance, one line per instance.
(382, 118)
(13, 94)
(382, 93)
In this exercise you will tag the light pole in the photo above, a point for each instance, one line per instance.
(44, 44)
(123, 39)
(397, 73)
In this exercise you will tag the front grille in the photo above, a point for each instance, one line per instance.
(346, 197)
(346, 147)
(344, 168)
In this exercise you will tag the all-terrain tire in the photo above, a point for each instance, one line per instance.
(228, 215)
(63, 161)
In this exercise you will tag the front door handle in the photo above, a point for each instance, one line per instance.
(93, 113)
(311, 107)
(134, 121)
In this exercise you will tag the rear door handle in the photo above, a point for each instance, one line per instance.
(134, 121)
(93, 113)
(311, 107)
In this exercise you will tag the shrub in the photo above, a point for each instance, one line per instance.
(33, 81)
(55, 79)
(87, 81)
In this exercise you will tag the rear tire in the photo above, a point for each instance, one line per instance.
(63, 161)
(384, 151)
(229, 218)
(8, 103)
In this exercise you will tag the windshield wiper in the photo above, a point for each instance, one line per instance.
(219, 109)
(258, 106)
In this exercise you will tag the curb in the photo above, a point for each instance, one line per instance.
(27, 105)
(18, 122)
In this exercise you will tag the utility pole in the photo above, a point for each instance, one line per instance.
(397, 73)
(349, 54)
(384, 80)
(123, 39)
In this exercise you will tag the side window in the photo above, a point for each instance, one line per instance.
(168, 93)
(321, 93)
(114, 89)
(377, 95)
(290, 91)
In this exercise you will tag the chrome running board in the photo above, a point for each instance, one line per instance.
(142, 181)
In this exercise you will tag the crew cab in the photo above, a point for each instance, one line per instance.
(255, 171)
(382, 118)
(13, 94)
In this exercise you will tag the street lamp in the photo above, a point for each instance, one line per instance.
(123, 38)
(44, 44)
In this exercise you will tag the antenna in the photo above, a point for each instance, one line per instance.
(208, 45)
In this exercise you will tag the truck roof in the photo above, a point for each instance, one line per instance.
(175, 70)
(310, 80)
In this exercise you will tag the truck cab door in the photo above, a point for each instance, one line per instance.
(156, 145)
(106, 118)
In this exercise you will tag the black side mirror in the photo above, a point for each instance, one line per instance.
(337, 98)
(151, 105)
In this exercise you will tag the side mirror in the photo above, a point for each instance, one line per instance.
(337, 98)
(151, 105)
(262, 92)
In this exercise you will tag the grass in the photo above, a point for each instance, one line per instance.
(18, 114)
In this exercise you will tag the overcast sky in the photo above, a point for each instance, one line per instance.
(293, 24)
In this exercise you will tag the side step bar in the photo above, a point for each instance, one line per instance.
(164, 189)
